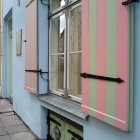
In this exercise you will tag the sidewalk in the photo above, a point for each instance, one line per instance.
(11, 127)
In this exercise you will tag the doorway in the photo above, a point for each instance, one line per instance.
(9, 58)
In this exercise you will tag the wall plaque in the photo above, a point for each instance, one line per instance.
(19, 42)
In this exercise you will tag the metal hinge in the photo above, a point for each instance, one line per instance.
(129, 2)
(85, 75)
(38, 71)
(35, 71)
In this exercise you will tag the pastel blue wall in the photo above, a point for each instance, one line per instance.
(29, 107)
(43, 46)
(7, 5)
(26, 105)
(4, 60)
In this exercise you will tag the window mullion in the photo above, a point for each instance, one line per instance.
(68, 23)
(66, 55)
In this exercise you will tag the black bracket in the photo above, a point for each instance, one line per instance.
(75, 135)
(129, 2)
(85, 75)
(36, 71)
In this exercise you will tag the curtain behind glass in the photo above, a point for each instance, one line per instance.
(57, 53)
(74, 56)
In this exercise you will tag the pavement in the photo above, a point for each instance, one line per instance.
(11, 126)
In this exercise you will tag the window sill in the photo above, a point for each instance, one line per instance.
(64, 104)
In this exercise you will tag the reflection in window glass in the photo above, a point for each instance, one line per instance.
(75, 29)
(65, 48)
(55, 4)
(74, 75)
(57, 73)
(58, 34)
(74, 56)
(57, 39)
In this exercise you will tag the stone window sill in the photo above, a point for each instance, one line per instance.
(64, 104)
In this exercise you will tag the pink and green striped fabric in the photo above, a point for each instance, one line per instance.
(106, 52)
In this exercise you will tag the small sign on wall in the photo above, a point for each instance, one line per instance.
(19, 42)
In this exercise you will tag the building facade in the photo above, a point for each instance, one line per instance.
(71, 68)
(0, 43)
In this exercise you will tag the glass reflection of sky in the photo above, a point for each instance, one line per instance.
(62, 18)
(62, 23)
(63, 2)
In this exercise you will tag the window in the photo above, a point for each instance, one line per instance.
(65, 48)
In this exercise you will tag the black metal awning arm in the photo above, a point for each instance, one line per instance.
(85, 75)
(129, 2)
(35, 71)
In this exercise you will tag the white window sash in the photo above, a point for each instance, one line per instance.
(66, 52)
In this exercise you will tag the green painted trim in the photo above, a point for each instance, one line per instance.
(131, 52)
(110, 59)
(92, 54)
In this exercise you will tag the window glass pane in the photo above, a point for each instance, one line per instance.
(55, 4)
(58, 34)
(74, 74)
(57, 72)
(75, 29)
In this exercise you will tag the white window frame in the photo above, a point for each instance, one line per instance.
(66, 49)
(57, 54)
